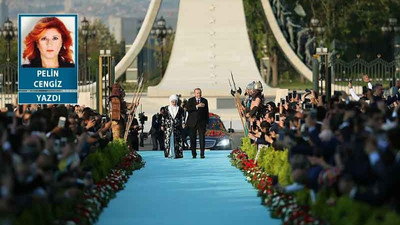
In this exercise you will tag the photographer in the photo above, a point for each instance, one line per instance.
(157, 135)
(133, 139)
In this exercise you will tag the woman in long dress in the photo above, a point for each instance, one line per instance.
(173, 123)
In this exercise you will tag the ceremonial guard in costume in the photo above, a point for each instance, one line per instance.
(118, 110)
(257, 100)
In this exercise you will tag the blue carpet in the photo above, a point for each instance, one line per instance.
(186, 192)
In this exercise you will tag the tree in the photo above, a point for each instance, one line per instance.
(103, 40)
(260, 34)
(354, 23)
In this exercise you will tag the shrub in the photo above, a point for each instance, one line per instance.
(103, 160)
(273, 162)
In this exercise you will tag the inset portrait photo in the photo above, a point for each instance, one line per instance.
(48, 41)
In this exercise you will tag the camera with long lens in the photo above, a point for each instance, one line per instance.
(142, 118)
(179, 102)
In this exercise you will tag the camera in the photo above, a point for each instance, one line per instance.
(142, 136)
(9, 107)
(142, 118)
(179, 102)
(337, 93)
(103, 119)
(61, 122)
(307, 106)
(277, 117)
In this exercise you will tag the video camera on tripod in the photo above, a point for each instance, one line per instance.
(142, 119)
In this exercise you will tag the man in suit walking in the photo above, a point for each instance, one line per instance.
(197, 121)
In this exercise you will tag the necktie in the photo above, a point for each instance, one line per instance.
(198, 101)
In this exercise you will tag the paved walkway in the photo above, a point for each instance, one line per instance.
(186, 192)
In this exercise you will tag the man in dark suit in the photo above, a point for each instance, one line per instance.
(157, 135)
(197, 121)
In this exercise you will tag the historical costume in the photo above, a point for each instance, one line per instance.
(172, 123)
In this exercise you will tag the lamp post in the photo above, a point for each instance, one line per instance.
(160, 31)
(9, 32)
(87, 34)
(393, 28)
(317, 30)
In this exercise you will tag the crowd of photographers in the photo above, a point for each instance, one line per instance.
(42, 151)
(349, 145)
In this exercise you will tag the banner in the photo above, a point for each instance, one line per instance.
(48, 59)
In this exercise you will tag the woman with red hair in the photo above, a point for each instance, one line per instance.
(48, 45)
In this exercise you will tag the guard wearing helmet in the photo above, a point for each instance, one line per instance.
(249, 97)
(257, 100)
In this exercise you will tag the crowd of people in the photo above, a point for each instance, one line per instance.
(349, 145)
(43, 151)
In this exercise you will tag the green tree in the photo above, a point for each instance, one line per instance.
(354, 23)
(102, 40)
(260, 34)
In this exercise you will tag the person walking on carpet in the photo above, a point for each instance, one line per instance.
(172, 123)
(197, 120)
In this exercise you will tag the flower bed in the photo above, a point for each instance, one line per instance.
(281, 205)
(111, 168)
(298, 209)
(95, 199)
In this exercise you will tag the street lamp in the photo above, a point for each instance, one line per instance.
(317, 30)
(9, 32)
(87, 34)
(160, 31)
(393, 28)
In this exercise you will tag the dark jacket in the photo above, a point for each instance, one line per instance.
(37, 63)
(156, 124)
(197, 116)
